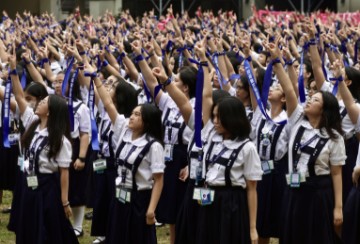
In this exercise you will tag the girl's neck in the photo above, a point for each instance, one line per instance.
(276, 109)
(43, 123)
(136, 135)
(314, 122)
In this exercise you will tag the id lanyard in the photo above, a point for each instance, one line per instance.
(169, 126)
(216, 157)
(32, 156)
(300, 147)
(124, 170)
(266, 138)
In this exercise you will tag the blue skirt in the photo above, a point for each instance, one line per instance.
(127, 222)
(307, 213)
(352, 147)
(42, 218)
(8, 162)
(173, 192)
(226, 220)
(104, 192)
(187, 219)
(270, 194)
(351, 225)
(91, 156)
(16, 201)
(77, 179)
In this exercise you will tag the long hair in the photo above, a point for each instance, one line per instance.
(233, 117)
(354, 75)
(58, 126)
(125, 98)
(330, 117)
(188, 75)
(151, 117)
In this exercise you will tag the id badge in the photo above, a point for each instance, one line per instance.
(124, 195)
(13, 138)
(168, 152)
(20, 162)
(99, 165)
(32, 181)
(267, 166)
(295, 179)
(204, 196)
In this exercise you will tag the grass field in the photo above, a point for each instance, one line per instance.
(9, 237)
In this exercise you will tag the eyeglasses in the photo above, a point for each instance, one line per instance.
(314, 99)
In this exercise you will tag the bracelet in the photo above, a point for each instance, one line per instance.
(249, 59)
(339, 79)
(139, 58)
(45, 60)
(82, 53)
(122, 55)
(82, 159)
(204, 63)
(66, 204)
(105, 63)
(290, 62)
(312, 42)
(167, 82)
(13, 72)
(275, 61)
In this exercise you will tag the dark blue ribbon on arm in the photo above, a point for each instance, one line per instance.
(252, 82)
(70, 101)
(267, 81)
(336, 85)
(6, 112)
(301, 75)
(23, 78)
(356, 50)
(217, 70)
(91, 104)
(67, 75)
(198, 103)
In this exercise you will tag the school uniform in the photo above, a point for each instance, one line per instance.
(137, 161)
(229, 163)
(103, 177)
(42, 218)
(9, 155)
(176, 139)
(351, 224)
(308, 204)
(271, 142)
(351, 144)
(78, 179)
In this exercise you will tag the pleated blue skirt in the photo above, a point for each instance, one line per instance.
(351, 225)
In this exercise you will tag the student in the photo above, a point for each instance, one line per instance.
(140, 160)
(199, 224)
(350, 229)
(124, 97)
(34, 93)
(176, 139)
(45, 209)
(80, 135)
(312, 203)
(271, 140)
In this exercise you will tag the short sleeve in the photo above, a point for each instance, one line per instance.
(296, 115)
(357, 126)
(84, 119)
(118, 127)
(28, 117)
(232, 91)
(337, 151)
(327, 86)
(252, 166)
(164, 101)
(191, 122)
(64, 156)
(156, 157)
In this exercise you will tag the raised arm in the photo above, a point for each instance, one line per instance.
(290, 95)
(16, 86)
(350, 105)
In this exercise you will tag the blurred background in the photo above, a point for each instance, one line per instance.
(61, 8)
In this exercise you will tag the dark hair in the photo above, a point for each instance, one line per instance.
(125, 98)
(330, 118)
(36, 90)
(245, 82)
(353, 75)
(188, 76)
(233, 117)
(76, 93)
(58, 126)
(217, 95)
(151, 117)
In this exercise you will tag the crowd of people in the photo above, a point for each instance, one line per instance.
(227, 131)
